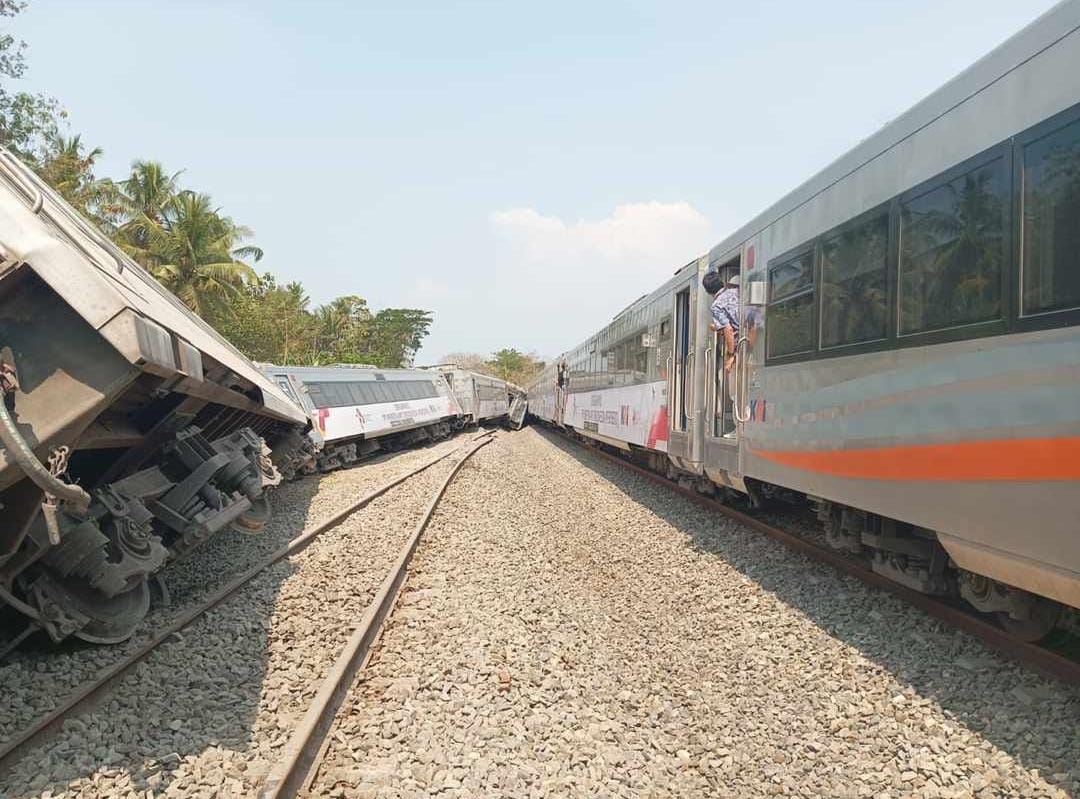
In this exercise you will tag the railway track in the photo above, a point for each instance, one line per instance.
(1045, 661)
(38, 732)
(304, 751)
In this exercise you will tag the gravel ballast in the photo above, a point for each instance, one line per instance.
(570, 629)
(206, 714)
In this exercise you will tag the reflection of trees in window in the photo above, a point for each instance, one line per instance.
(1051, 265)
(854, 298)
(791, 307)
(952, 252)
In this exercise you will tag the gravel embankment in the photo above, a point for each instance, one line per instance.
(573, 630)
(206, 713)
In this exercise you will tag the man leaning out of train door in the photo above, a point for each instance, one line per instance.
(725, 311)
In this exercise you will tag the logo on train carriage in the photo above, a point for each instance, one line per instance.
(320, 419)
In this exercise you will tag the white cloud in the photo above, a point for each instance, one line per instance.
(642, 238)
(565, 280)
(550, 282)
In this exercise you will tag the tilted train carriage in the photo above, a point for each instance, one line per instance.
(484, 398)
(358, 409)
(131, 431)
(909, 356)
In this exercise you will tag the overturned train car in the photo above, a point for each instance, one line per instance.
(131, 431)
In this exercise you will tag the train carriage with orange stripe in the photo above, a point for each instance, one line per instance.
(908, 357)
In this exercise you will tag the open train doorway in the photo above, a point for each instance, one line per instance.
(722, 374)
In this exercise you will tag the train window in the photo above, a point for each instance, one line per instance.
(333, 396)
(854, 291)
(1051, 222)
(314, 391)
(952, 251)
(791, 306)
(283, 384)
(356, 393)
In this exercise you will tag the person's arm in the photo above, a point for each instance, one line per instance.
(729, 348)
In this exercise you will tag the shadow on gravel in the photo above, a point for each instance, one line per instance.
(1033, 719)
(197, 692)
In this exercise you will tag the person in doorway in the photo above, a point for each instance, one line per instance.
(725, 320)
(725, 311)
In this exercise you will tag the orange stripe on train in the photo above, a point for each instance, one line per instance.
(1005, 459)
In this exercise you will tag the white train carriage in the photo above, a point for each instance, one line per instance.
(131, 431)
(358, 409)
(483, 398)
(909, 356)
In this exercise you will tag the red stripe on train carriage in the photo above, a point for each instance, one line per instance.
(1004, 459)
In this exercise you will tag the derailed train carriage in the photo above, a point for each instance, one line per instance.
(485, 398)
(357, 409)
(909, 356)
(131, 431)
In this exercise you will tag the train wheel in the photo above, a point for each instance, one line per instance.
(75, 608)
(254, 519)
(1040, 621)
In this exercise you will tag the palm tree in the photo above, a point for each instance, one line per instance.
(195, 253)
(70, 171)
(144, 200)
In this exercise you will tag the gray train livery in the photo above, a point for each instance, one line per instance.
(907, 355)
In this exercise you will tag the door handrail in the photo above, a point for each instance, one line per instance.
(742, 366)
(688, 373)
(670, 393)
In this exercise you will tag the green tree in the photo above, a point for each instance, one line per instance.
(144, 201)
(68, 167)
(29, 123)
(396, 335)
(343, 330)
(515, 366)
(197, 255)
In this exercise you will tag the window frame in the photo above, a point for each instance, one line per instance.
(969, 330)
(811, 247)
(1010, 273)
(892, 276)
(1043, 320)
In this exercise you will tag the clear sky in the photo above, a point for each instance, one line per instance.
(524, 170)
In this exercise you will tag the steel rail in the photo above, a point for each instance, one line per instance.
(1040, 659)
(304, 750)
(15, 746)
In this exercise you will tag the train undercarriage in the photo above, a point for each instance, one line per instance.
(85, 571)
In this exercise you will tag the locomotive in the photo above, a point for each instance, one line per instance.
(908, 358)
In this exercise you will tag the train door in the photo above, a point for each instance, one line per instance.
(680, 416)
(685, 397)
(721, 379)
